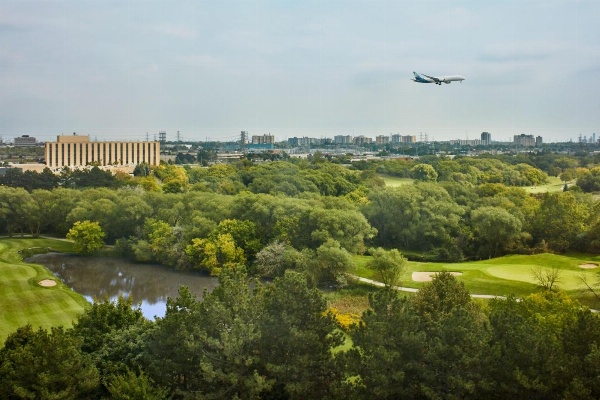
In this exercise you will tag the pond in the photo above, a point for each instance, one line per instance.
(148, 284)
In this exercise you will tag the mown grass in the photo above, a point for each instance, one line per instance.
(393, 181)
(554, 185)
(506, 275)
(22, 300)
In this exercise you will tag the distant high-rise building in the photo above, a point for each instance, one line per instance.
(244, 138)
(408, 139)
(538, 141)
(524, 140)
(342, 139)
(25, 141)
(362, 140)
(382, 139)
(264, 139)
(486, 138)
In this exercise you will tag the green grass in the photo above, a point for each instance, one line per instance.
(554, 185)
(22, 300)
(505, 275)
(392, 181)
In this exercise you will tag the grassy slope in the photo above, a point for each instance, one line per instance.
(22, 300)
(505, 275)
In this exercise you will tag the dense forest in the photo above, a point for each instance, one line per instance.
(203, 218)
(298, 222)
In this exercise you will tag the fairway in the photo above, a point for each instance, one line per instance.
(554, 185)
(393, 181)
(22, 299)
(508, 275)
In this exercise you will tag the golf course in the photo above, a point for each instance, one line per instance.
(507, 275)
(25, 297)
(23, 300)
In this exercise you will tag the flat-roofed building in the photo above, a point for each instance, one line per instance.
(486, 138)
(78, 151)
(524, 140)
(264, 139)
(382, 139)
(25, 141)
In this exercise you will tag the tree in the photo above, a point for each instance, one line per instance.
(87, 236)
(590, 180)
(546, 277)
(214, 254)
(295, 341)
(102, 319)
(132, 386)
(416, 217)
(328, 264)
(430, 346)
(389, 265)
(208, 350)
(561, 219)
(424, 172)
(495, 228)
(543, 347)
(142, 169)
(274, 259)
(45, 365)
(244, 234)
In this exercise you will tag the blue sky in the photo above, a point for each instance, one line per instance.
(210, 69)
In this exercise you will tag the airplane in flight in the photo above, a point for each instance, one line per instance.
(437, 80)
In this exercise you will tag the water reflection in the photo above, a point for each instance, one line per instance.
(101, 277)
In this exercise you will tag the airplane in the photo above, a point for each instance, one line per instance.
(437, 80)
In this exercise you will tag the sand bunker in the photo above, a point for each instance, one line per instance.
(47, 283)
(588, 266)
(428, 276)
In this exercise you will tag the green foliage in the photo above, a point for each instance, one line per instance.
(496, 229)
(389, 265)
(45, 365)
(274, 259)
(103, 319)
(87, 237)
(215, 254)
(329, 264)
(296, 339)
(424, 172)
(589, 181)
(420, 217)
(135, 387)
(561, 219)
(431, 346)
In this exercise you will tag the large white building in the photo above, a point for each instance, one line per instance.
(77, 151)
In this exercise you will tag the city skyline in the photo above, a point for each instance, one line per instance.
(126, 69)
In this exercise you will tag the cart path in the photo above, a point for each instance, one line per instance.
(414, 290)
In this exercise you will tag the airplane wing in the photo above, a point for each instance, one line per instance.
(433, 78)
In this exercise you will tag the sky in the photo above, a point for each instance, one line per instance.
(208, 69)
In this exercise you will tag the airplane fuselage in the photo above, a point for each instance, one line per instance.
(438, 80)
